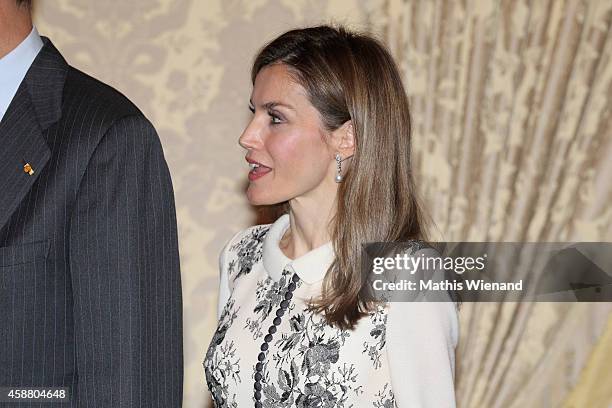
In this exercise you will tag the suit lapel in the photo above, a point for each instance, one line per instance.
(34, 108)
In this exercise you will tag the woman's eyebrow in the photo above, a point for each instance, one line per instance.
(272, 104)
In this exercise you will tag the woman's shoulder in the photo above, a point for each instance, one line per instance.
(249, 236)
(243, 250)
(414, 245)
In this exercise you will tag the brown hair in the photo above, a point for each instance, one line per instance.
(352, 76)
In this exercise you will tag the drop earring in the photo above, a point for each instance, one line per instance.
(338, 177)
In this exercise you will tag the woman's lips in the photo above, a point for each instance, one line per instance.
(258, 171)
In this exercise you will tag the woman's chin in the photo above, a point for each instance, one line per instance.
(256, 202)
(257, 199)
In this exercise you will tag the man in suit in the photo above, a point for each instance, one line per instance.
(90, 288)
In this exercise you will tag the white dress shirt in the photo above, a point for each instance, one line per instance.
(420, 336)
(15, 65)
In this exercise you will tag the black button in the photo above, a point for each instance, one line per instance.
(280, 312)
(295, 278)
(264, 346)
(288, 295)
(284, 304)
(291, 287)
(257, 377)
(258, 404)
(276, 321)
(272, 329)
(259, 367)
(257, 395)
(268, 338)
(261, 356)
(257, 385)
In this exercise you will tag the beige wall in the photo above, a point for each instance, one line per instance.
(511, 107)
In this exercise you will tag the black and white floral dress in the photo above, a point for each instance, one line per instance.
(270, 351)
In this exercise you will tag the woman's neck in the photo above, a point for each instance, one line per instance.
(309, 227)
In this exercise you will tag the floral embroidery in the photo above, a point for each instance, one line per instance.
(221, 363)
(374, 347)
(269, 294)
(308, 356)
(248, 250)
(417, 245)
(310, 362)
(385, 398)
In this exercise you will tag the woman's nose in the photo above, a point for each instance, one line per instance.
(250, 137)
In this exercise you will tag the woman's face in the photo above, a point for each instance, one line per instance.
(285, 142)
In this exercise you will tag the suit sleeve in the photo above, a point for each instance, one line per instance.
(125, 274)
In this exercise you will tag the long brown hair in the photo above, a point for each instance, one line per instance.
(352, 76)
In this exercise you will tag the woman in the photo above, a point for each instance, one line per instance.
(329, 140)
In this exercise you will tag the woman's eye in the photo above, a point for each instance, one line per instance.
(275, 119)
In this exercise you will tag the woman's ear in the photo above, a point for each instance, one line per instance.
(344, 138)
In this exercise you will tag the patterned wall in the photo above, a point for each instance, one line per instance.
(485, 101)
(512, 107)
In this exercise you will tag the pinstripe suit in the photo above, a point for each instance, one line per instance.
(90, 290)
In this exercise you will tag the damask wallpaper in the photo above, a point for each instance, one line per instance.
(512, 124)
